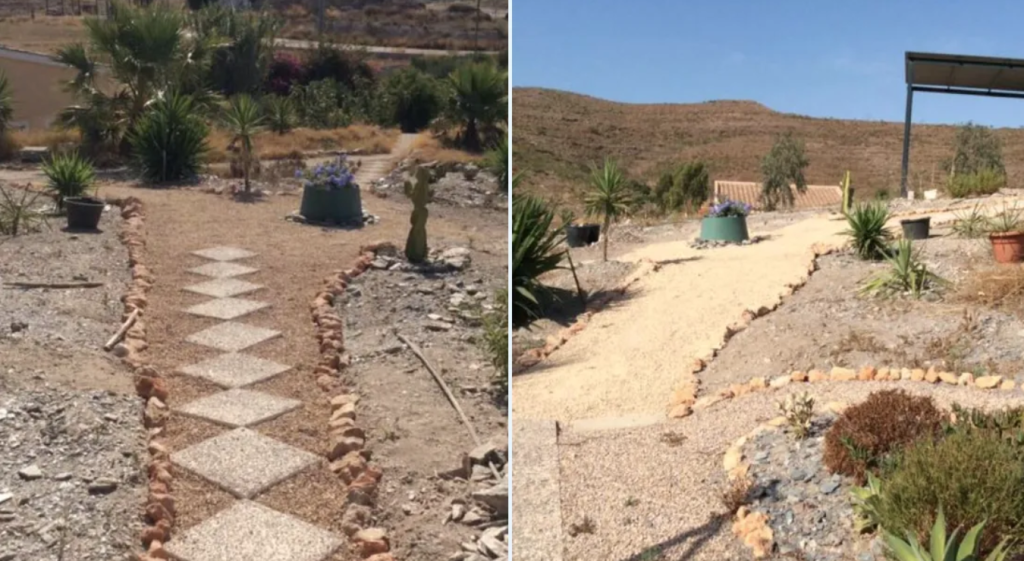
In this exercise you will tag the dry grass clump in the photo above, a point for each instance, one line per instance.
(1001, 288)
(54, 139)
(271, 146)
(866, 434)
(429, 148)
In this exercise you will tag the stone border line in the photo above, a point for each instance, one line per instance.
(159, 509)
(533, 357)
(348, 455)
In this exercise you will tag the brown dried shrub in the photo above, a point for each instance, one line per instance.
(867, 434)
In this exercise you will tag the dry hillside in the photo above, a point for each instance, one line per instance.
(556, 135)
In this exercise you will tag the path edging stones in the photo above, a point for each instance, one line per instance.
(348, 455)
(149, 385)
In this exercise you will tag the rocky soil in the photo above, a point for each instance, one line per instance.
(71, 440)
(440, 497)
(454, 184)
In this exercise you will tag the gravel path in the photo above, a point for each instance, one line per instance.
(659, 491)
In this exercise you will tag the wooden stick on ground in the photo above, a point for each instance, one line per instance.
(448, 393)
(18, 284)
(124, 329)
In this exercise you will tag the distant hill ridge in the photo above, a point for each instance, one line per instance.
(557, 135)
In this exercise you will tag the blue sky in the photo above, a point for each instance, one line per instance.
(823, 58)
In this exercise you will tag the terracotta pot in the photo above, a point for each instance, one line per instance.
(1008, 247)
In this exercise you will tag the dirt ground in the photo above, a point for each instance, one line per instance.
(66, 407)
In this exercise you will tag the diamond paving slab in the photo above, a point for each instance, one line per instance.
(224, 253)
(222, 270)
(231, 336)
(239, 408)
(226, 308)
(243, 462)
(223, 287)
(234, 370)
(250, 530)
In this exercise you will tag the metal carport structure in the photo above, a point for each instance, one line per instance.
(957, 74)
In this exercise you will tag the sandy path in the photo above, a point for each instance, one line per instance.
(632, 355)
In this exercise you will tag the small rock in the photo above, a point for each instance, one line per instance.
(438, 326)
(4, 497)
(30, 473)
(62, 476)
(474, 516)
(102, 486)
(496, 498)
(409, 508)
(480, 473)
(828, 487)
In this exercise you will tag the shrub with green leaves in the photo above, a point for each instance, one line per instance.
(319, 104)
(498, 161)
(6, 103)
(782, 169)
(478, 101)
(976, 184)
(684, 188)
(906, 274)
(169, 142)
(974, 477)
(535, 252)
(944, 547)
(976, 148)
(867, 230)
(279, 113)
(68, 175)
(414, 100)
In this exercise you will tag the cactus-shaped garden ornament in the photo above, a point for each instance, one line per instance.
(847, 195)
(416, 244)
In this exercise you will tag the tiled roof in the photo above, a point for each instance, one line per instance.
(816, 196)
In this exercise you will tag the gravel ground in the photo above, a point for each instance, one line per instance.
(71, 469)
(659, 491)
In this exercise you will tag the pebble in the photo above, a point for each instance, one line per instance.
(30, 473)
(102, 486)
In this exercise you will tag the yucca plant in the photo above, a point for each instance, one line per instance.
(279, 113)
(535, 251)
(1007, 221)
(867, 231)
(906, 274)
(244, 119)
(68, 175)
(971, 224)
(169, 142)
(941, 547)
(609, 198)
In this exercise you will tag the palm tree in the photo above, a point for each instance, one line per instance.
(6, 103)
(609, 197)
(244, 119)
(479, 99)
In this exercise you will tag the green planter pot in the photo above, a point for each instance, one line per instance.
(339, 206)
(727, 229)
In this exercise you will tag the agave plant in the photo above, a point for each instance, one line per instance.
(69, 175)
(944, 548)
(535, 251)
(906, 274)
(867, 231)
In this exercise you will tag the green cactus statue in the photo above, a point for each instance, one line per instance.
(416, 243)
(847, 194)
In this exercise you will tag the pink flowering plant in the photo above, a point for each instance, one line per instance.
(729, 208)
(331, 177)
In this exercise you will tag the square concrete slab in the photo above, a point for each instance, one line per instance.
(223, 288)
(233, 370)
(239, 408)
(243, 462)
(250, 530)
(222, 270)
(231, 336)
(223, 253)
(226, 308)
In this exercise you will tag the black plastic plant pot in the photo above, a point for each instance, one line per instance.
(575, 235)
(83, 212)
(593, 233)
(916, 228)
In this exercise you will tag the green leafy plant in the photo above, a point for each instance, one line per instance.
(68, 175)
(279, 113)
(906, 274)
(976, 184)
(943, 548)
(169, 142)
(19, 213)
(498, 161)
(495, 340)
(535, 252)
(971, 224)
(478, 100)
(6, 103)
(1006, 221)
(972, 476)
(683, 188)
(608, 198)
(244, 119)
(883, 424)
(976, 148)
(798, 410)
(320, 104)
(867, 231)
(782, 169)
(865, 510)
(414, 99)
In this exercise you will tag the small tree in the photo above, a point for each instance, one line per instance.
(244, 119)
(609, 197)
(782, 168)
(685, 187)
(976, 148)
